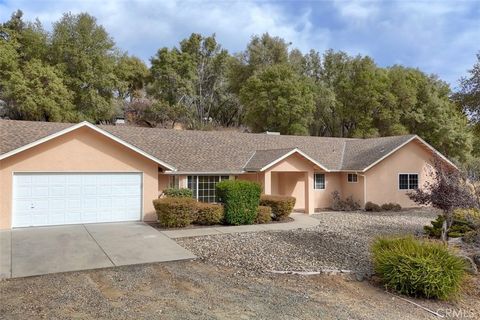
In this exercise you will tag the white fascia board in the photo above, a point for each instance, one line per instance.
(212, 173)
(93, 127)
(405, 143)
(295, 150)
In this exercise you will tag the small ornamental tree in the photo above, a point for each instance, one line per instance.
(448, 189)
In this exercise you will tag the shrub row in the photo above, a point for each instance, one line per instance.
(417, 268)
(178, 192)
(281, 206)
(180, 212)
(373, 207)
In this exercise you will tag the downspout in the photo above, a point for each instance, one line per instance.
(364, 188)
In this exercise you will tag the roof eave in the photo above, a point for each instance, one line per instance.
(93, 127)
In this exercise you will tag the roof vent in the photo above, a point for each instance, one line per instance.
(273, 133)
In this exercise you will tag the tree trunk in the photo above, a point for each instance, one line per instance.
(444, 231)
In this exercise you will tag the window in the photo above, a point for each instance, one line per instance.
(173, 182)
(203, 187)
(352, 177)
(319, 181)
(408, 181)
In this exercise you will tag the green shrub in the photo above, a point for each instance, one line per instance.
(264, 214)
(209, 214)
(240, 199)
(391, 206)
(178, 193)
(281, 206)
(469, 217)
(175, 212)
(464, 221)
(417, 268)
(373, 207)
(344, 205)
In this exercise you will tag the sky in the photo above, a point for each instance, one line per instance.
(437, 36)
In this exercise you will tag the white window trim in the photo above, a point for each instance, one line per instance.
(352, 174)
(324, 181)
(409, 173)
(209, 175)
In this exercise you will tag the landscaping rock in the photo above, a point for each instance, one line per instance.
(341, 241)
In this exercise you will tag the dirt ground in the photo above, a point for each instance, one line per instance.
(199, 290)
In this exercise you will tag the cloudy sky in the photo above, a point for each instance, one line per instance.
(440, 37)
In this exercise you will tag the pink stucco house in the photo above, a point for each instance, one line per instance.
(59, 173)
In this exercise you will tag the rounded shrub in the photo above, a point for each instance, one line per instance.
(178, 193)
(175, 212)
(282, 206)
(240, 200)
(264, 215)
(417, 268)
(391, 206)
(209, 214)
(372, 207)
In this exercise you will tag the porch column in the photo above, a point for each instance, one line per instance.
(309, 196)
(267, 183)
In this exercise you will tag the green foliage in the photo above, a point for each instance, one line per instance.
(282, 206)
(178, 193)
(240, 199)
(373, 207)
(278, 99)
(463, 222)
(417, 268)
(193, 77)
(264, 215)
(175, 212)
(391, 207)
(209, 214)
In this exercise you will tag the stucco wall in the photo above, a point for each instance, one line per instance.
(382, 179)
(353, 189)
(323, 198)
(82, 150)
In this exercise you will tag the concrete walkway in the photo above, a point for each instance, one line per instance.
(301, 221)
(42, 250)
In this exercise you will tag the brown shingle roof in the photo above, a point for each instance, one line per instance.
(218, 151)
(262, 158)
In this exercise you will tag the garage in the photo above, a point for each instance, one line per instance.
(57, 198)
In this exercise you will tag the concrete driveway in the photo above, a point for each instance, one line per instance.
(41, 250)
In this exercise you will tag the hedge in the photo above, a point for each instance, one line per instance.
(264, 214)
(417, 268)
(178, 193)
(240, 199)
(209, 214)
(175, 212)
(281, 206)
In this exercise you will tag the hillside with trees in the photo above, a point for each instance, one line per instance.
(76, 72)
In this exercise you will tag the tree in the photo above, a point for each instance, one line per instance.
(278, 99)
(36, 92)
(447, 189)
(193, 76)
(85, 54)
(131, 74)
(468, 99)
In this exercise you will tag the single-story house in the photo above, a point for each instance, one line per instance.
(61, 173)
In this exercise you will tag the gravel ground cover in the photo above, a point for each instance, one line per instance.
(341, 241)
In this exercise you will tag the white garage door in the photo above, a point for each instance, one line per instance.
(41, 199)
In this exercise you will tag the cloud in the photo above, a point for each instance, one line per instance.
(436, 36)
